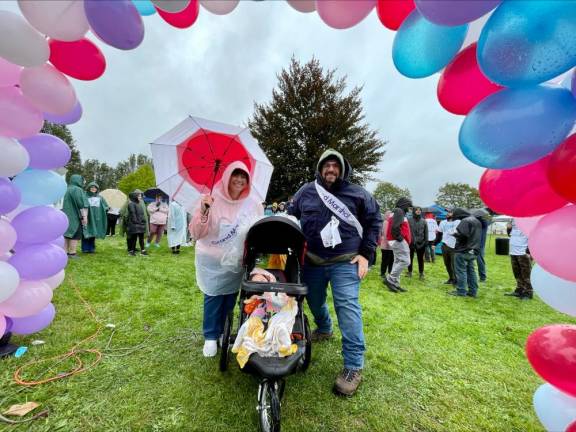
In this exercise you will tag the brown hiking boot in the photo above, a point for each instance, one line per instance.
(318, 336)
(347, 382)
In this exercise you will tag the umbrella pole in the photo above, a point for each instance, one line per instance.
(217, 164)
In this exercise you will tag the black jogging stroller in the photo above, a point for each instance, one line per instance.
(272, 235)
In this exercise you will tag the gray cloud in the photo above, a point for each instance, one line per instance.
(221, 65)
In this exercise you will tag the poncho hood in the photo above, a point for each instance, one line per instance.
(225, 181)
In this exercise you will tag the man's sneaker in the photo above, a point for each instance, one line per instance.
(143, 252)
(421, 276)
(448, 282)
(392, 286)
(347, 381)
(210, 348)
(318, 336)
(132, 253)
(456, 293)
(513, 294)
(525, 296)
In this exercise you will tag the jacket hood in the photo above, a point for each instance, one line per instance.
(345, 167)
(133, 196)
(76, 180)
(89, 186)
(404, 203)
(225, 181)
(460, 213)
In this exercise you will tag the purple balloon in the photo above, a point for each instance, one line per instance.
(9, 196)
(59, 242)
(65, 119)
(46, 151)
(38, 261)
(40, 224)
(115, 22)
(9, 323)
(454, 12)
(34, 323)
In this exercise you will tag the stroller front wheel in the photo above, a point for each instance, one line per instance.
(269, 394)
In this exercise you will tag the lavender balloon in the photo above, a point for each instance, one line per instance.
(59, 242)
(46, 151)
(454, 12)
(65, 119)
(9, 196)
(115, 22)
(8, 324)
(40, 224)
(39, 261)
(34, 323)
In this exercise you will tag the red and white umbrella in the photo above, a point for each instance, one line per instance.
(190, 158)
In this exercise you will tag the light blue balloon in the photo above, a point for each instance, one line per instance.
(528, 42)
(555, 410)
(145, 7)
(40, 187)
(515, 127)
(422, 48)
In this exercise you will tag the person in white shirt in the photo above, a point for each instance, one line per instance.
(521, 262)
(430, 255)
(448, 228)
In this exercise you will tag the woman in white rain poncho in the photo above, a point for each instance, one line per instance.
(219, 225)
(176, 226)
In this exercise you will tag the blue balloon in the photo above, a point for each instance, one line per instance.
(145, 7)
(515, 127)
(422, 48)
(40, 187)
(528, 42)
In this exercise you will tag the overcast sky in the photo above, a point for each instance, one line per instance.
(220, 66)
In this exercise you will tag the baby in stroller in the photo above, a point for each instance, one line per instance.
(273, 338)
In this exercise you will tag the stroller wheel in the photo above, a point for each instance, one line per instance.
(269, 405)
(225, 349)
(308, 349)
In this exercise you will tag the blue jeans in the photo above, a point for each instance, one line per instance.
(88, 244)
(216, 308)
(345, 283)
(466, 273)
(481, 266)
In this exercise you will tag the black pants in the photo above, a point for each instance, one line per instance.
(448, 256)
(176, 249)
(131, 241)
(420, 255)
(521, 267)
(112, 219)
(387, 261)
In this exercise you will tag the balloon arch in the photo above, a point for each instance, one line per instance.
(509, 74)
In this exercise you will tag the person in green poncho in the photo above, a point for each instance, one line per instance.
(76, 209)
(97, 219)
(124, 214)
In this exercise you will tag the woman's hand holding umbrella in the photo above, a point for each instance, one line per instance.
(205, 202)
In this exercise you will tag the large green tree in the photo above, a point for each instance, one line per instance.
(459, 195)
(143, 178)
(311, 111)
(386, 194)
(99, 172)
(74, 165)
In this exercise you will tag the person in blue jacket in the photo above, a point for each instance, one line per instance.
(341, 222)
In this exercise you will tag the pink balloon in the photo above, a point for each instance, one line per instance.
(343, 14)
(552, 243)
(304, 6)
(56, 280)
(7, 236)
(29, 298)
(48, 89)
(527, 224)
(9, 73)
(522, 192)
(18, 117)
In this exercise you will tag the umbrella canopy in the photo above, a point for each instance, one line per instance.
(189, 160)
(153, 192)
(114, 197)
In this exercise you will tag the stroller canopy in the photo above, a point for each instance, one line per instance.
(274, 235)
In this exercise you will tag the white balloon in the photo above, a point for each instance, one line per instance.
(48, 89)
(56, 280)
(557, 293)
(171, 6)
(555, 410)
(14, 158)
(20, 43)
(8, 237)
(219, 7)
(9, 280)
(63, 20)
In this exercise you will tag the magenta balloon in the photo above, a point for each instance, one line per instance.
(69, 118)
(551, 243)
(115, 22)
(454, 12)
(29, 298)
(41, 224)
(46, 151)
(522, 192)
(9, 196)
(34, 323)
(18, 117)
(9, 73)
(39, 261)
(343, 14)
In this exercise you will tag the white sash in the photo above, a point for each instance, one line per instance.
(225, 237)
(338, 208)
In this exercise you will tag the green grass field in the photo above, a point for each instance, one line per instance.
(434, 362)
